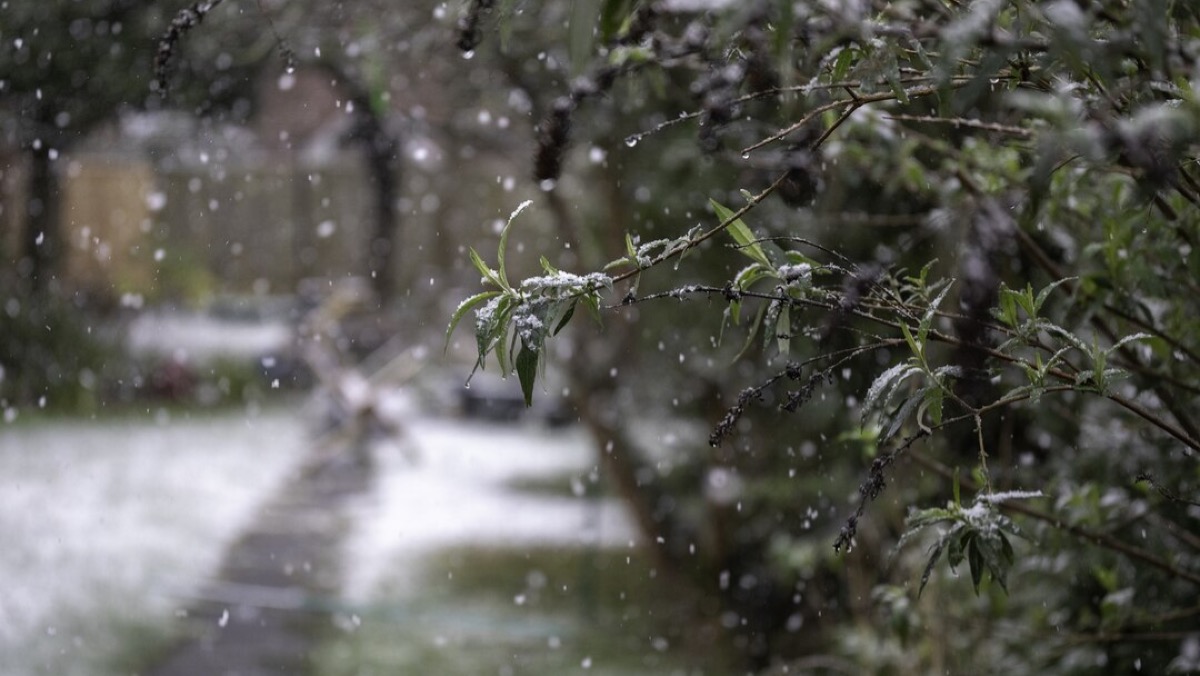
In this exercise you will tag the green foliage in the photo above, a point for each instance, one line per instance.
(514, 322)
(978, 534)
(1035, 165)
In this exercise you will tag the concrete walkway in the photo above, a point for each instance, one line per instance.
(263, 614)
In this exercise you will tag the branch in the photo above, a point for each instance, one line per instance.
(857, 101)
(187, 19)
(750, 204)
(1095, 537)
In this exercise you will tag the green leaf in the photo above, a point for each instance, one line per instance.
(1045, 292)
(989, 552)
(1128, 339)
(842, 65)
(1075, 341)
(960, 539)
(550, 269)
(927, 320)
(770, 324)
(975, 562)
(897, 421)
(1007, 311)
(784, 339)
(797, 258)
(505, 343)
(527, 366)
(612, 17)
(462, 310)
(619, 262)
(881, 389)
(490, 328)
(759, 320)
(1026, 301)
(741, 234)
(932, 406)
(927, 517)
(565, 318)
(893, 79)
(488, 273)
(751, 274)
(934, 555)
(504, 240)
(582, 34)
(593, 303)
(912, 343)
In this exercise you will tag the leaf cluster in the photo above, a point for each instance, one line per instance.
(514, 322)
(979, 534)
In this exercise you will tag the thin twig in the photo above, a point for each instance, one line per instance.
(964, 122)
(857, 101)
(1163, 490)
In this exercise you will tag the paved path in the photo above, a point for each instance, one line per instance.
(262, 615)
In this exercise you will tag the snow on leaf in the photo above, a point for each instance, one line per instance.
(465, 307)
(884, 384)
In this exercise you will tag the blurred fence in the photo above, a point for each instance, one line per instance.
(188, 231)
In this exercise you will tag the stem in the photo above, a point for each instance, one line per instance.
(750, 204)
(857, 101)
(987, 476)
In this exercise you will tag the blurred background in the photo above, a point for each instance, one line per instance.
(234, 435)
(236, 438)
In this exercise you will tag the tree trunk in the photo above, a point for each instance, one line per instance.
(40, 241)
(382, 150)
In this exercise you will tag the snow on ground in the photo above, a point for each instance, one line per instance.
(103, 522)
(456, 492)
(201, 337)
(106, 526)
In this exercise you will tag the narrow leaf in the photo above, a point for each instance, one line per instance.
(929, 565)
(906, 409)
(975, 561)
(884, 384)
(612, 15)
(565, 318)
(527, 364)
(741, 234)
(488, 273)
(912, 343)
(842, 65)
(462, 310)
(927, 320)
(960, 538)
(504, 240)
(785, 322)
(1045, 292)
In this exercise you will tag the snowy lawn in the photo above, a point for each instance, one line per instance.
(103, 524)
(455, 569)
(456, 490)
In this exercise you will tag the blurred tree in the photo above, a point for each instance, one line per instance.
(66, 66)
(987, 134)
(979, 257)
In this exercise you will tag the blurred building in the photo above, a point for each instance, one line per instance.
(167, 206)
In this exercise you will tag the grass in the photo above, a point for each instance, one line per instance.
(565, 485)
(530, 610)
